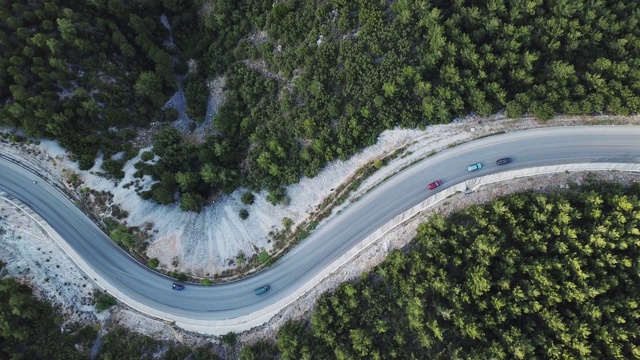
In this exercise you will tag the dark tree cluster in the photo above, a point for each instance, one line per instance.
(198, 170)
(74, 70)
(197, 95)
(527, 276)
(315, 81)
(224, 27)
(192, 171)
(120, 343)
(30, 329)
(308, 82)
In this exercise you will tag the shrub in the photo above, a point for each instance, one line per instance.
(153, 263)
(104, 301)
(191, 202)
(244, 214)
(113, 168)
(146, 156)
(146, 195)
(247, 198)
(230, 338)
(278, 196)
(122, 236)
(169, 115)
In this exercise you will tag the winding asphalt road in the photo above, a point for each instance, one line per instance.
(139, 285)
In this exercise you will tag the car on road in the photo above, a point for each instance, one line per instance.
(503, 161)
(435, 184)
(261, 290)
(178, 287)
(474, 167)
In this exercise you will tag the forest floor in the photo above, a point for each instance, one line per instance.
(202, 248)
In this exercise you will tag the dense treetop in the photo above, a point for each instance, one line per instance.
(312, 81)
(30, 329)
(527, 276)
(307, 82)
(77, 70)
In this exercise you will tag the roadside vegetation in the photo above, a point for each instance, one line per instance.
(529, 275)
(305, 82)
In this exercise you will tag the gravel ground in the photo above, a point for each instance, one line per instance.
(33, 257)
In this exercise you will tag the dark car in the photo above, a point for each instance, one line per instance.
(503, 161)
(178, 287)
(435, 184)
(261, 290)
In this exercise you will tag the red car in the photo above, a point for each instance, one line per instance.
(435, 184)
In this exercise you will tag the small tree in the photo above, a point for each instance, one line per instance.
(247, 198)
(121, 235)
(149, 86)
(153, 263)
(244, 214)
(287, 223)
(230, 338)
(146, 156)
(113, 168)
(104, 301)
(191, 202)
(162, 196)
(278, 196)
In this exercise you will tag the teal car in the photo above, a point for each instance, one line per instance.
(474, 167)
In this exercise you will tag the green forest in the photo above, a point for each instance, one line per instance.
(87, 73)
(531, 275)
(527, 276)
(307, 82)
(31, 329)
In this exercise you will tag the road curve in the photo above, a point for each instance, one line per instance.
(228, 306)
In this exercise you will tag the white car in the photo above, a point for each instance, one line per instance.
(475, 166)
